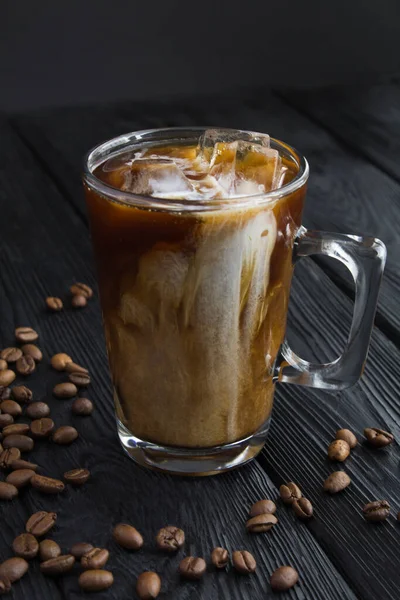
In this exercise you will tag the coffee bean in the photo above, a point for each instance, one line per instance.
(37, 410)
(376, 511)
(348, 436)
(77, 476)
(262, 507)
(338, 450)
(47, 485)
(65, 435)
(53, 303)
(22, 442)
(82, 407)
(10, 407)
(16, 428)
(40, 523)
(22, 394)
(48, 549)
(170, 538)
(79, 379)
(81, 289)
(60, 361)
(25, 365)
(74, 368)
(11, 355)
(7, 491)
(57, 566)
(14, 568)
(283, 579)
(289, 492)
(65, 390)
(127, 536)
(33, 351)
(244, 562)
(219, 557)
(303, 508)
(26, 546)
(6, 377)
(3, 365)
(80, 549)
(5, 585)
(18, 464)
(5, 420)
(261, 523)
(192, 568)
(26, 335)
(378, 437)
(336, 482)
(42, 428)
(79, 301)
(8, 456)
(20, 478)
(95, 558)
(148, 585)
(95, 580)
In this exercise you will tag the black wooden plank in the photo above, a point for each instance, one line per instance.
(45, 247)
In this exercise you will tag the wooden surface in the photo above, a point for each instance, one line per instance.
(45, 246)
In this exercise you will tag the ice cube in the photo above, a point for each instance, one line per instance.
(158, 177)
(256, 166)
(211, 137)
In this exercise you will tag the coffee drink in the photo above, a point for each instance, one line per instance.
(127, 536)
(283, 579)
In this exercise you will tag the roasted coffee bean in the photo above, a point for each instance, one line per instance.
(37, 410)
(48, 549)
(33, 351)
(376, 511)
(127, 536)
(8, 456)
(219, 557)
(22, 394)
(60, 361)
(20, 478)
(7, 491)
(65, 390)
(261, 523)
(148, 585)
(65, 435)
(57, 566)
(95, 580)
(80, 549)
(283, 579)
(303, 508)
(243, 562)
(348, 436)
(53, 303)
(22, 442)
(10, 407)
(79, 301)
(5, 585)
(338, 450)
(42, 428)
(77, 476)
(5, 393)
(26, 335)
(74, 368)
(336, 482)
(26, 546)
(18, 464)
(289, 492)
(25, 365)
(3, 365)
(14, 568)
(81, 289)
(5, 420)
(82, 407)
(79, 379)
(15, 429)
(262, 507)
(47, 485)
(192, 567)
(6, 377)
(11, 355)
(40, 523)
(378, 437)
(95, 558)
(170, 538)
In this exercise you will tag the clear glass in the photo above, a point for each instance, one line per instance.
(195, 297)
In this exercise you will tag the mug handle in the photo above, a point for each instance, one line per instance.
(365, 258)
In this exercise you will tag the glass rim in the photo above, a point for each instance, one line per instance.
(114, 146)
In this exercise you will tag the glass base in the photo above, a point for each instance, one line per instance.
(192, 461)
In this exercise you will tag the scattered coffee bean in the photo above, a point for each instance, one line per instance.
(20, 478)
(219, 557)
(65, 390)
(81, 289)
(18, 464)
(33, 351)
(192, 568)
(243, 562)
(95, 580)
(5, 393)
(26, 546)
(48, 549)
(127, 536)
(289, 492)
(336, 482)
(25, 365)
(10, 407)
(5, 420)
(53, 303)
(148, 585)
(79, 301)
(11, 355)
(262, 507)
(303, 508)
(74, 368)
(376, 511)
(7, 491)
(37, 410)
(95, 558)
(77, 476)
(7, 457)
(15, 428)
(65, 435)
(22, 442)
(5, 585)
(378, 437)
(22, 394)
(80, 549)
(47, 485)
(6, 377)
(42, 428)
(60, 361)
(3, 365)
(14, 568)
(82, 407)
(261, 523)
(26, 335)
(170, 538)
(348, 436)
(57, 566)
(79, 379)
(338, 450)
(40, 523)
(283, 579)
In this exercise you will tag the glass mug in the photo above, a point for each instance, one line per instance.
(195, 296)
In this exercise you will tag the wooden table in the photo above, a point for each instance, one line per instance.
(351, 138)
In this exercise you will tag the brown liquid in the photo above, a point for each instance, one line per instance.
(194, 307)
